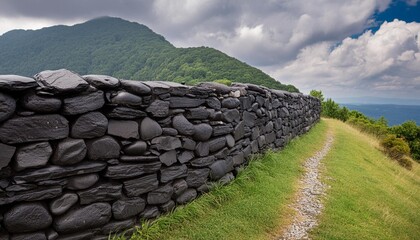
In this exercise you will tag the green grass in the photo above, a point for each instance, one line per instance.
(371, 196)
(251, 207)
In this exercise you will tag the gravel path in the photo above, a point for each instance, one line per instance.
(308, 205)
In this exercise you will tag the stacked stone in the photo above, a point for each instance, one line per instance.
(82, 157)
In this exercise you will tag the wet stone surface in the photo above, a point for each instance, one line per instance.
(16, 83)
(84, 103)
(27, 217)
(89, 125)
(7, 106)
(41, 104)
(34, 129)
(61, 81)
(69, 151)
(82, 218)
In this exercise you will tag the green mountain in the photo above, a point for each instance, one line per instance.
(123, 49)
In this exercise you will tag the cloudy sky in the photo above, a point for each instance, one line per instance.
(349, 48)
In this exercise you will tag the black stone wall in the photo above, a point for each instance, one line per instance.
(82, 157)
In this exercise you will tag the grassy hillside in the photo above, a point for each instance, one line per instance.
(249, 208)
(123, 49)
(371, 196)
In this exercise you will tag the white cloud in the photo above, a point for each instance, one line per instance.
(373, 63)
(301, 42)
(25, 23)
(262, 33)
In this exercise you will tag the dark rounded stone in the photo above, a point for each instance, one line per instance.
(160, 195)
(7, 106)
(128, 170)
(185, 102)
(197, 177)
(239, 131)
(166, 143)
(202, 149)
(173, 172)
(55, 172)
(34, 129)
(261, 141)
(117, 226)
(7, 153)
(51, 234)
(126, 99)
(202, 132)
(231, 115)
(83, 103)
(102, 81)
(222, 130)
(158, 108)
(87, 217)
(188, 144)
(41, 104)
(168, 206)
(217, 87)
(138, 186)
(101, 192)
(127, 208)
(29, 236)
(214, 103)
(249, 118)
(125, 113)
(82, 181)
(230, 103)
(135, 87)
(169, 131)
(227, 178)
(182, 124)
(32, 155)
(61, 81)
(136, 148)
(185, 156)
(124, 129)
(69, 151)
(63, 203)
(187, 196)
(168, 158)
(16, 83)
(230, 140)
(149, 129)
(86, 235)
(216, 144)
(89, 125)
(238, 159)
(27, 217)
(150, 212)
(179, 185)
(200, 113)
(158, 88)
(103, 148)
(219, 168)
(202, 162)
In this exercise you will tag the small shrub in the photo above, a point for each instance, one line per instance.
(395, 147)
(405, 162)
(224, 81)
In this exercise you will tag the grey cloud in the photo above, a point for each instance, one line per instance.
(297, 42)
(65, 9)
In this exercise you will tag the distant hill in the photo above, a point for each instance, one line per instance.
(116, 47)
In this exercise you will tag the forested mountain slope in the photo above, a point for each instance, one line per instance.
(116, 47)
